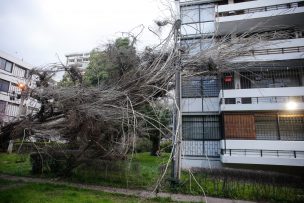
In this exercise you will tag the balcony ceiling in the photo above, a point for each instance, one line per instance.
(260, 24)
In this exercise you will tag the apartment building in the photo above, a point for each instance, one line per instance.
(252, 115)
(80, 60)
(14, 72)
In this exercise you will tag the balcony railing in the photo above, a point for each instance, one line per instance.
(261, 9)
(266, 152)
(261, 100)
(263, 153)
(285, 50)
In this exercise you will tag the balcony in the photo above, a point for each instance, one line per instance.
(262, 152)
(247, 16)
(261, 99)
(199, 105)
(275, 50)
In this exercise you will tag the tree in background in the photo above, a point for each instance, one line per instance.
(66, 81)
(108, 65)
(158, 119)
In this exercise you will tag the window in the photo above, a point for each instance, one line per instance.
(195, 46)
(266, 127)
(6, 65)
(201, 127)
(2, 106)
(205, 129)
(198, 19)
(190, 14)
(191, 46)
(291, 127)
(230, 101)
(20, 71)
(4, 85)
(2, 63)
(246, 100)
(271, 78)
(207, 27)
(191, 88)
(211, 87)
(197, 87)
(207, 13)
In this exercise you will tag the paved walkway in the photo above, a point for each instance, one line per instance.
(138, 193)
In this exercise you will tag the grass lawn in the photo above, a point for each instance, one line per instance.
(144, 170)
(141, 171)
(15, 164)
(34, 193)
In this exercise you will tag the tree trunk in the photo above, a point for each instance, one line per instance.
(155, 151)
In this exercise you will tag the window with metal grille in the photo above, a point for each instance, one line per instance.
(206, 86)
(266, 127)
(246, 100)
(201, 135)
(271, 78)
(211, 87)
(4, 85)
(230, 101)
(191, 88)
(291, 127)
(2, 106)
(201, 127)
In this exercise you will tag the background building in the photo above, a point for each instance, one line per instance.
(245, 116)
(81, 60)
(14, 71)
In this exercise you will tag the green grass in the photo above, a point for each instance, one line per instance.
(144, 170)
(140, 171)
(239, 189)
(40, 193)
(15, 164)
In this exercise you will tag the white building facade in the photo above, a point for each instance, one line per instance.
(79, 59)
(252, 115)
(14, 71)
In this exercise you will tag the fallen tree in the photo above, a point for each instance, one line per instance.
(104, 121)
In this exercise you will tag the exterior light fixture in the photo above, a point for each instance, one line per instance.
(291, 105)
(21, 86)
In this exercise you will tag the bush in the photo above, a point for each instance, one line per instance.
(166, 146)
(56, 163)
(143, 145)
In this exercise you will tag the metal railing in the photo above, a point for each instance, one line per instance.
(262, 100)
(260, 9)
(285, 50)
(263, 153)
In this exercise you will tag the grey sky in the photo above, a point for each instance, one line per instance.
(37, 30)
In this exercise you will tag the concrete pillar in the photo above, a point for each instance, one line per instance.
(230, 1)
(10, 146)
(237, 80)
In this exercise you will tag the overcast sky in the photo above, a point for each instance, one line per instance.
(37, 30)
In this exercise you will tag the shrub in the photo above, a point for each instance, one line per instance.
(166, 146)
(143, 145)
